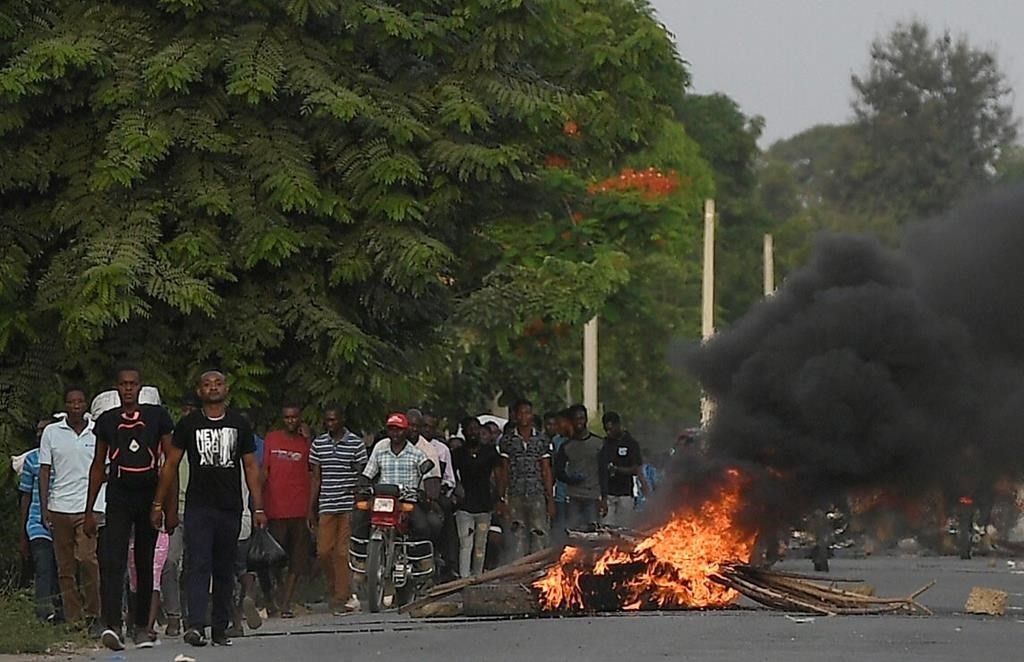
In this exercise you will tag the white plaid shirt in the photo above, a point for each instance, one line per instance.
(402, 469)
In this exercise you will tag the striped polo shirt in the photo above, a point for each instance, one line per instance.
(340, 462)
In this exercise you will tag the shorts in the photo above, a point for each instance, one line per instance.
(293, 535)
(163, 543)
(242, 557)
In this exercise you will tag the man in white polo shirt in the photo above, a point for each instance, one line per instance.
(65, 454)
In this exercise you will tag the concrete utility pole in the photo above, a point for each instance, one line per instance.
(590, 366)
(707, 407)
(769, 265)
(708, 293)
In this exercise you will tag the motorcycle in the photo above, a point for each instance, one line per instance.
(394, 565)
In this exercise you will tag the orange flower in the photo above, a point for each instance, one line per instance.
(570, 128)
(556, 161)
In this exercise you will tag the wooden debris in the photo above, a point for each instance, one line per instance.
(787, 592)
(520, 569)
(508, 590)
(988, 601)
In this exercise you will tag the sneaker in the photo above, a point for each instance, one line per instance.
(352, 604)
(221, 639)
(173, 626)
(252, 615)
(195, 638)
(112, 640)
(144, 639)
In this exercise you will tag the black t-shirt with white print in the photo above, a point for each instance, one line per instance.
(215, 449)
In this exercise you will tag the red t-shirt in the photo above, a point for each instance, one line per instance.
(286, 492)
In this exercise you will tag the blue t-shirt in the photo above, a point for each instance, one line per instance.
(30, 485)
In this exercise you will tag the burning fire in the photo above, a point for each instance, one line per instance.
(670, 568)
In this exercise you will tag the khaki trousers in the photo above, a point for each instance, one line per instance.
(332, 542)
(76, 551)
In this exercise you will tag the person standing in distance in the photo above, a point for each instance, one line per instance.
(132, 437)
(66, 452)
(219, 443)
(286, 485)
(337, 459)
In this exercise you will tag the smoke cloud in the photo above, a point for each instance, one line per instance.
(879, 368)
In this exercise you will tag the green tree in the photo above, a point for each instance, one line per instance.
(314, 195)
(934, 115)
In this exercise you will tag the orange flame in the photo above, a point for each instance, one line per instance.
(670, 568)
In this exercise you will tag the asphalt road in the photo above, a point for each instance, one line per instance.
(736, 634)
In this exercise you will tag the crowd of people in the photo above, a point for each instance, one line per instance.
(121, 510)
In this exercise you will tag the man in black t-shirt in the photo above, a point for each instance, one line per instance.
(132, 438)
(475, 465)
(219, 443)
(620, 461)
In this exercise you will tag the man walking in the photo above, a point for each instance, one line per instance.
(620, 463)
(66, 452)
(218, 442)
(475, 467)
(132, 437)
(337, 459)
(529, 495)
(286, 487)
(36, 542)
(578, 465)
(170, 577)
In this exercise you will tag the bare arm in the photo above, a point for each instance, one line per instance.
(44, 494)
(252, 480)
(501, 477)
(432, 486)
(314, 493)
(547, 475)
(166, 446)
(167, 489)
(97, 474)
(26, 501)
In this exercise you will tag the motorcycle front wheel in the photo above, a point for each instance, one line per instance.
(377, 569)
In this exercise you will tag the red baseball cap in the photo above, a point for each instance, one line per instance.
(399, 421)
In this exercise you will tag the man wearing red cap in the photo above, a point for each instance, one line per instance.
(394, 461)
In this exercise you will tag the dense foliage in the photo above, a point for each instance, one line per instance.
(357, 201)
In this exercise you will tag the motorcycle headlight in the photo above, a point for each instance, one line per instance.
(383, 505)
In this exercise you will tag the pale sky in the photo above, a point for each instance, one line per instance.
(790, 61)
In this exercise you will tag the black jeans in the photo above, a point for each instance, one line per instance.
(211, 538)
(127, 510)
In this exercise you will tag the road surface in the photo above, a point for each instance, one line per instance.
(736, 634)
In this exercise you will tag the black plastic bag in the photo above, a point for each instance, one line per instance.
(264, 551)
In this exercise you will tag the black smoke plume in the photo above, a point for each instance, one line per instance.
(879, 368)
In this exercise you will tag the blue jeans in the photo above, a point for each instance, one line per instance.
(211, 538)
(45, 567)
(582, 511)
